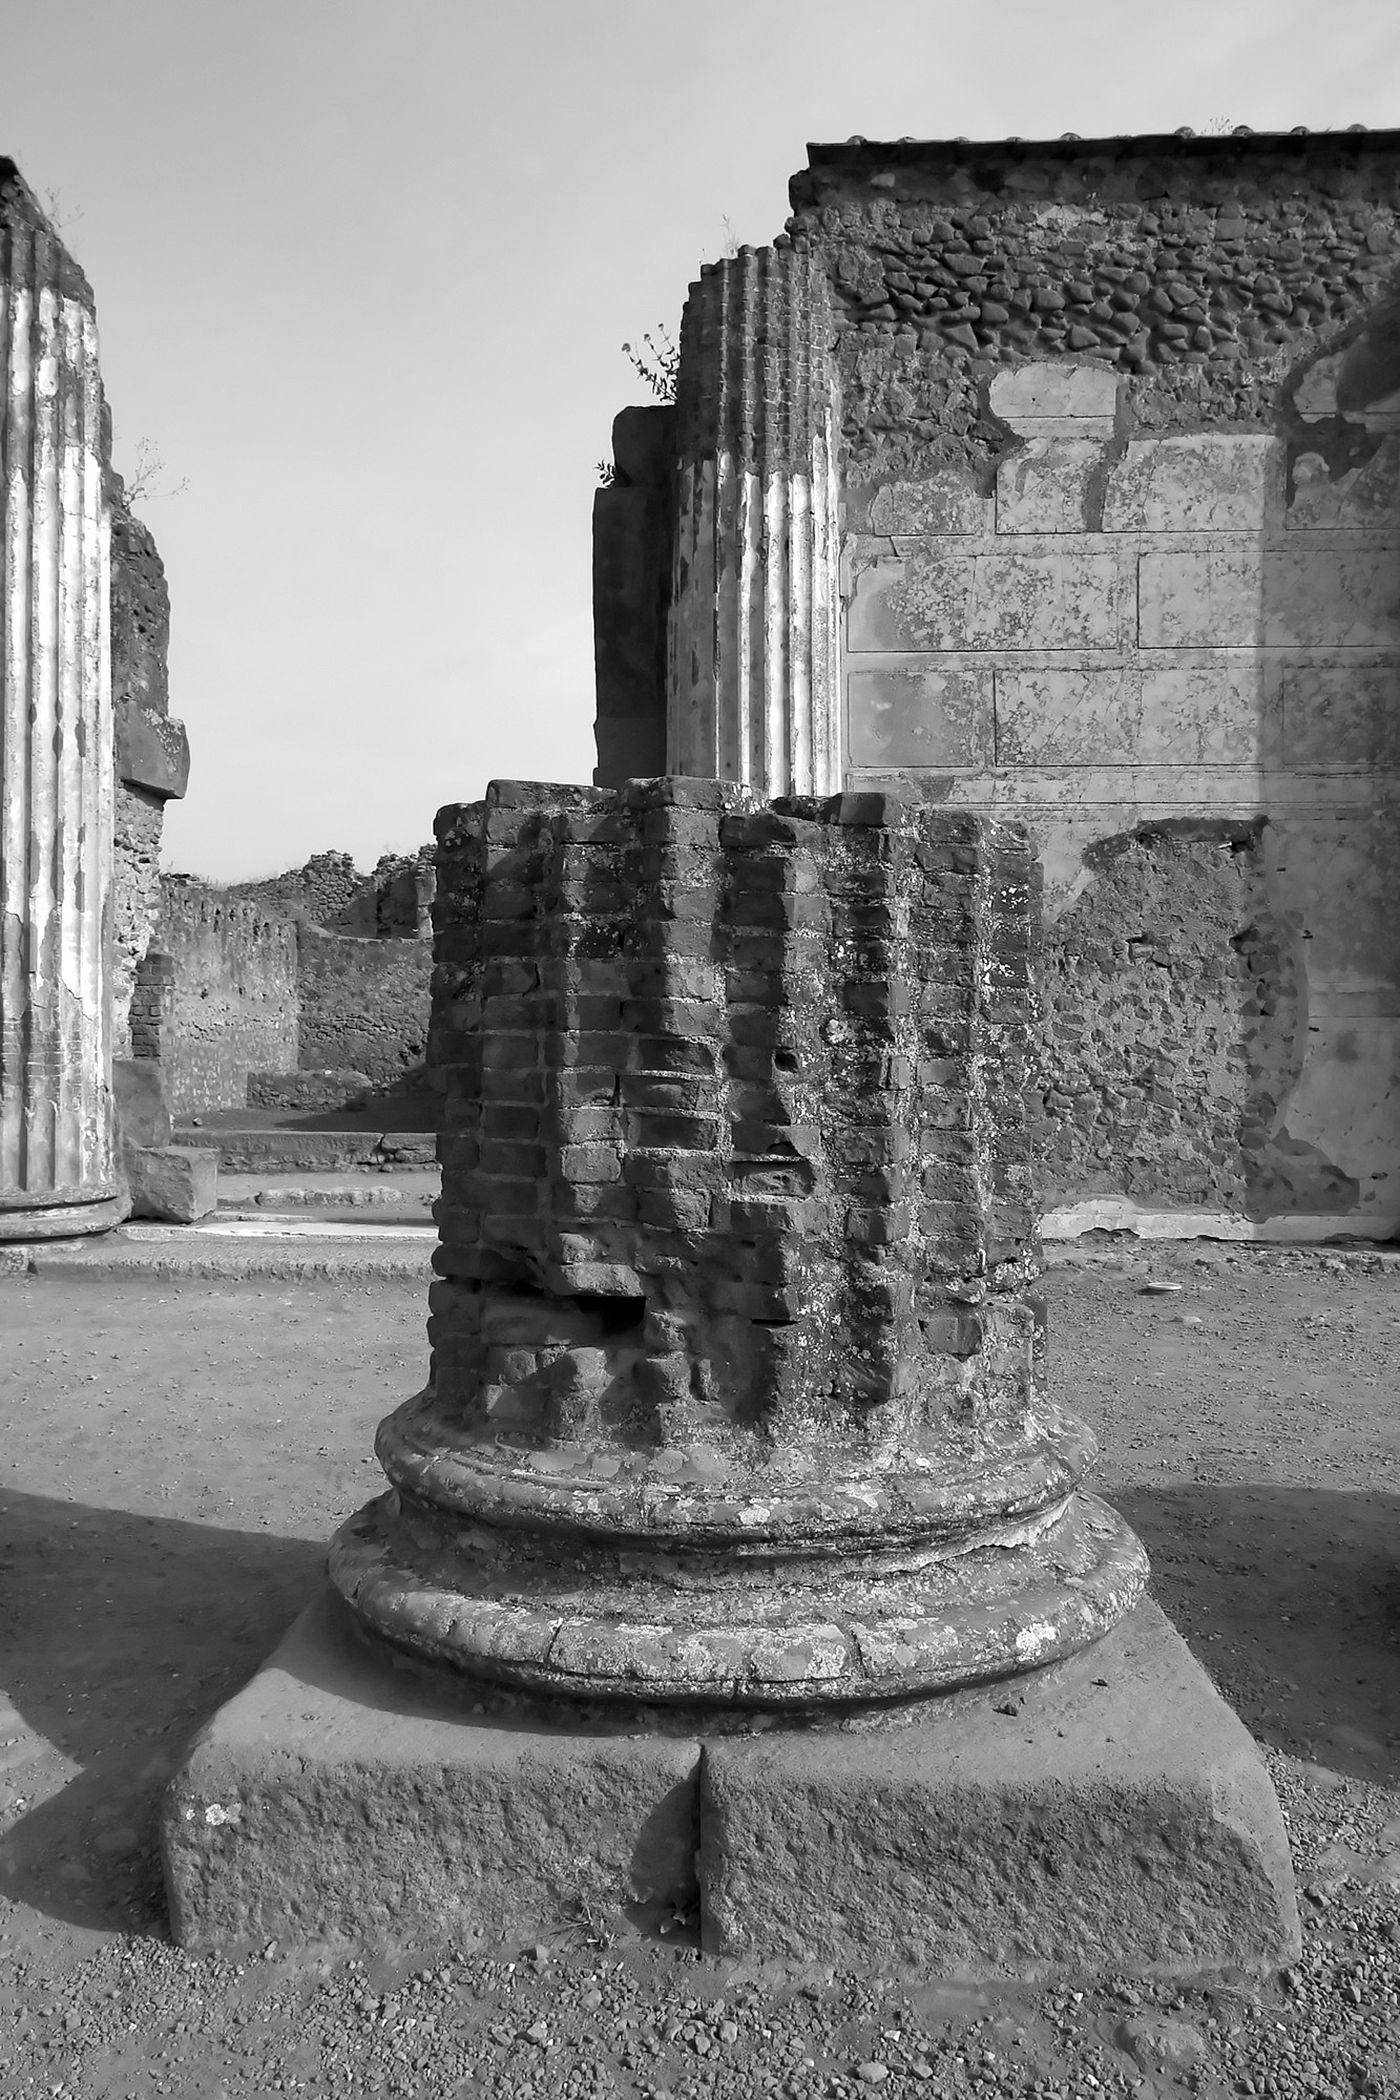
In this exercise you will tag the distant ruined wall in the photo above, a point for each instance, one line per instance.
(330, 891)
(363, 1004)
(233, 1005)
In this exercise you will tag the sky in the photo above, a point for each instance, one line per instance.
(363, 274)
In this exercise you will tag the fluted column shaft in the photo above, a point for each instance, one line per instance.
(753, 648)
(56, 785)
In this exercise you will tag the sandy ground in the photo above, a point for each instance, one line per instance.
(176, 1455)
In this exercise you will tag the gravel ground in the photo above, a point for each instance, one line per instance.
(176, 1455)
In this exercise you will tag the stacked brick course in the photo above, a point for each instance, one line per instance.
(736, 1231)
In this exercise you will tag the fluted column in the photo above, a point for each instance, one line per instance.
(56, 1142)
(753, 681)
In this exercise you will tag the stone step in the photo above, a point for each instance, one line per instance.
(263, 1150)
(399, 1195)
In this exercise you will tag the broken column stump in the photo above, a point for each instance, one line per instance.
(736, 1500)
(734, 1394)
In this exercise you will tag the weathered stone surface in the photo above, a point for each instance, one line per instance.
(1338, 717)
(939, 598)
(56, 1137)
(1044, 400)
(910, 716)
(735, 1395)
(342, 1800)
(1048, 485)
(1188, 714)
(152, 751)
(143, 1113)
(1220, 483)
(176, 1182)
(1109, 1815)
(945, 503)
(1240, 596)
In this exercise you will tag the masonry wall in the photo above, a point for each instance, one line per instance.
(152, 755)
(1122, 506)
(233, 1001)
(709, 1159)
(363, 1004)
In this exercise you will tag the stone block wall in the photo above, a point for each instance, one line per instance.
(1120, 531)
(717, 1081)
(361, 1004)
(233, 1002)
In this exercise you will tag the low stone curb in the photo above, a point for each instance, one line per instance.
(381, 1253)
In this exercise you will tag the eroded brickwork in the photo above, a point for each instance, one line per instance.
(736, 1235)
(729, 1068)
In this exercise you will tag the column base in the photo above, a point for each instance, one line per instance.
(1108, 1814)
(61, 1221)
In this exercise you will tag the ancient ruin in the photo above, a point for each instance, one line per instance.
(734, 1392)
(736, 1495)
(1112, 428)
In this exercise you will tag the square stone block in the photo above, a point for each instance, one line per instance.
(345, 1800)
(176, 1182)
(1047, 485)
(1109, 1815)
(908, 715)
(934, 597)
(1052, 399)
(1188, 714)
(1194, 484)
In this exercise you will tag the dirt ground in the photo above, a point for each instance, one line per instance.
(176, 1455)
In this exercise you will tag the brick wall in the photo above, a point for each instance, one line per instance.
(734, 1086)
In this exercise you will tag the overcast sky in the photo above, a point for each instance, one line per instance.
(362, 275)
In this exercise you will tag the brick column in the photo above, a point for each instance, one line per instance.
(754, 685)
(736, 1397)
(56, 1145)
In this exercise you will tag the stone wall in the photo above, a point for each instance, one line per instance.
(152, 754)
(362, 1004)
(233, 1007)
(1117, 560)
(330, 891)
(1120, 488)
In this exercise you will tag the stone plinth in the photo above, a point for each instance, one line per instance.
(754, 658)
(57, 1167)
(736, 1397)
(1111, 1816)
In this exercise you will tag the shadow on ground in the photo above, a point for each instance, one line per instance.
(1291, 1599)
(124, 1633)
